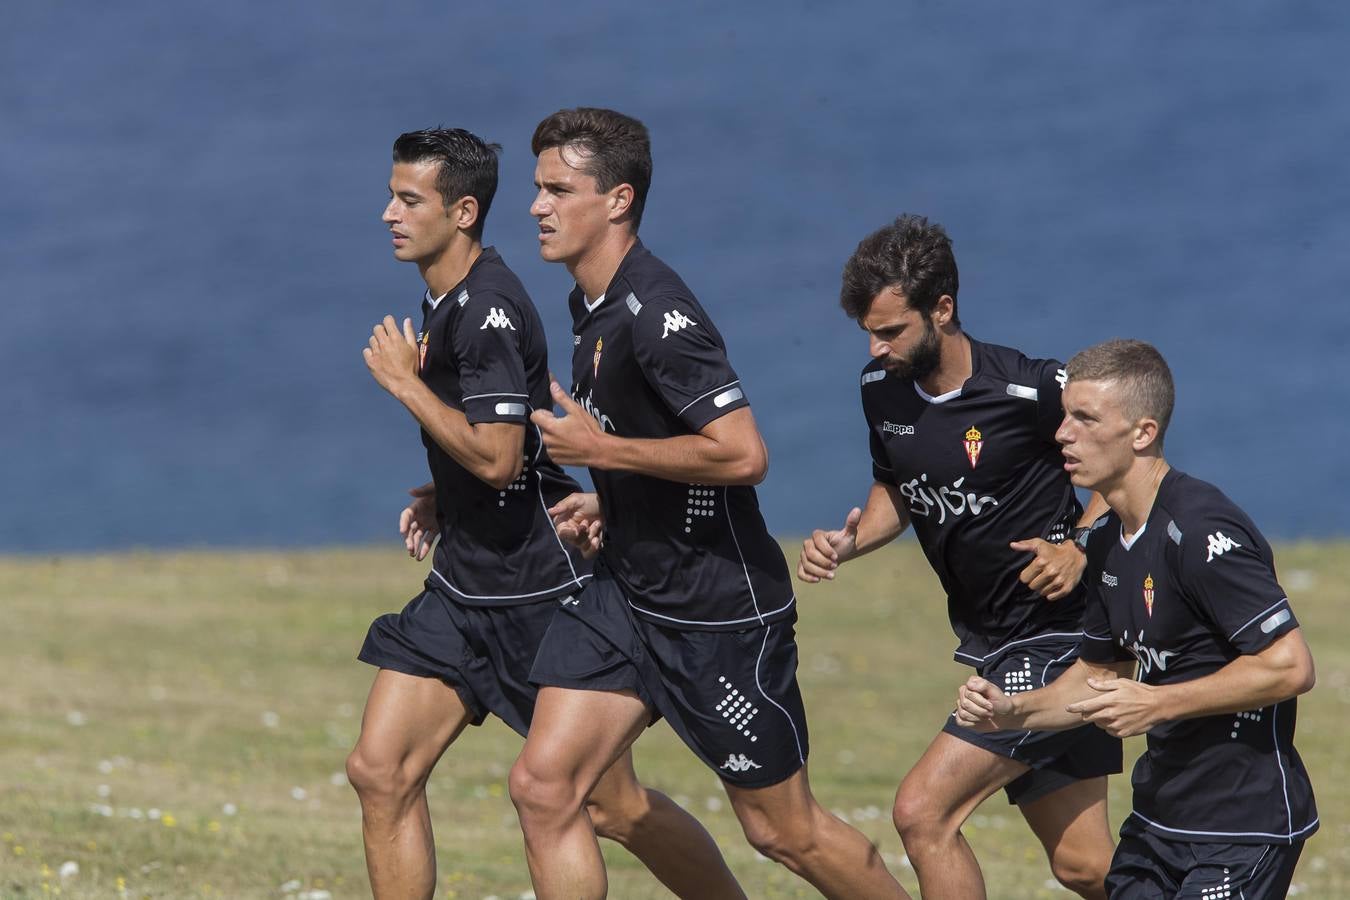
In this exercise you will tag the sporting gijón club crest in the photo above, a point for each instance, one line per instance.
(1148, 595)
(974, 444)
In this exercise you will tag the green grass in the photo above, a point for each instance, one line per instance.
(176, 725)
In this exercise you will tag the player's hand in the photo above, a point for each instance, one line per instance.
(392, 356)
(1054, 569)
(825, 551)
(573, 438)
(417, 522)
(578, 520)
(1122, 708)
(978, 704)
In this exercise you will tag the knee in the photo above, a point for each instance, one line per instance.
(1083, 874)
(379, 777)
(791, 843)
(619, 820)
(915, 819)
(538, 794)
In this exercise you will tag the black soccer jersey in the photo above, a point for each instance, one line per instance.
(483, 352)
(979, 468)
(649, 364)
(1194, 589)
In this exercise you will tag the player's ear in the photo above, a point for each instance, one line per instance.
(465, 212)
(943, 310)
(1145, 434)
(620, 201)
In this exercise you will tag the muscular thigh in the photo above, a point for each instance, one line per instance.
(410, 719)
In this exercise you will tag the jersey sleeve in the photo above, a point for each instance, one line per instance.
(486, 340)
(1049, 398)
(1098, 644)
(685, 362)
(1227, 571)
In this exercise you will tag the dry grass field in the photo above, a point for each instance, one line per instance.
(175, 725)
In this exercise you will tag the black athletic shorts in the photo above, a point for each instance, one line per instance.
(1057, 758)
(483, 652)
(731, 696)
(1149, 867)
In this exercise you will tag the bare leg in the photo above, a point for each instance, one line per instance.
(945, 786)
(1072, 825)
(785, 823)
(408, 723)
(669, 841)
(575, 736)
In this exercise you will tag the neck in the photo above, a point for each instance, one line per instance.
(594, 269)
(1133, 495)
(449, 268)
(954, 369)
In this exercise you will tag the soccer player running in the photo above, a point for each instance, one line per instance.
(463, 647)
(962, 442)
(690, 614)
(1182, 588)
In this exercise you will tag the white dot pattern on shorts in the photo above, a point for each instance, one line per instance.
(1253, 715)
(1019, 680)
(737, 709)
(701, 501)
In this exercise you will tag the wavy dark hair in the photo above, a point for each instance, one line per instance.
(910, 254)
(615, 149)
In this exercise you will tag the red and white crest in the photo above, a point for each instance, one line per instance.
(974, 444)
(599, 345)
(1148, 595)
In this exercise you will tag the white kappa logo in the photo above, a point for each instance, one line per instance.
(497, 319)
(737, 762)
(1061, 378)
(892, 428)
(1219, 544)
(676, 320)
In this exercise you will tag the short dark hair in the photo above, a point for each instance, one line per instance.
(1146, 386)
(910, 254)
(467, 165)
(616, 149)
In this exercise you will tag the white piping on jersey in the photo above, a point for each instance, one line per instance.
(758, 618)
(463, 297)
(1174, 532)
(870, 377)
(590, 307)
(1290, 838)
(1257, 616)
(539, 488)
(1284, 779)
(499, 394)
(544, 593)
(634, 306)
(1134, 538)
(701, 396)
(1021, 390)
(1040, 637)
(796, 738)
(950, 395)
(744, 567)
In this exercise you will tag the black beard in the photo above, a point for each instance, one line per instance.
(925, 359)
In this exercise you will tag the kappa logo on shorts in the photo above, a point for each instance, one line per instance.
(496, 318)
(737, 762)
(675, 320)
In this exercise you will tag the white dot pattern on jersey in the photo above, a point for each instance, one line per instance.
(520, 484)
(1218, 891)
(737, 709)
(1251, 715)
(1019, 680)
(700, 502)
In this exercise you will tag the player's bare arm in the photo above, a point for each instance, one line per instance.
(1055, 569)
(727, 451)
(982, 705)
(578, 520)
(490, 450)
(1281, 670)
(881, 520)
(417, 522)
